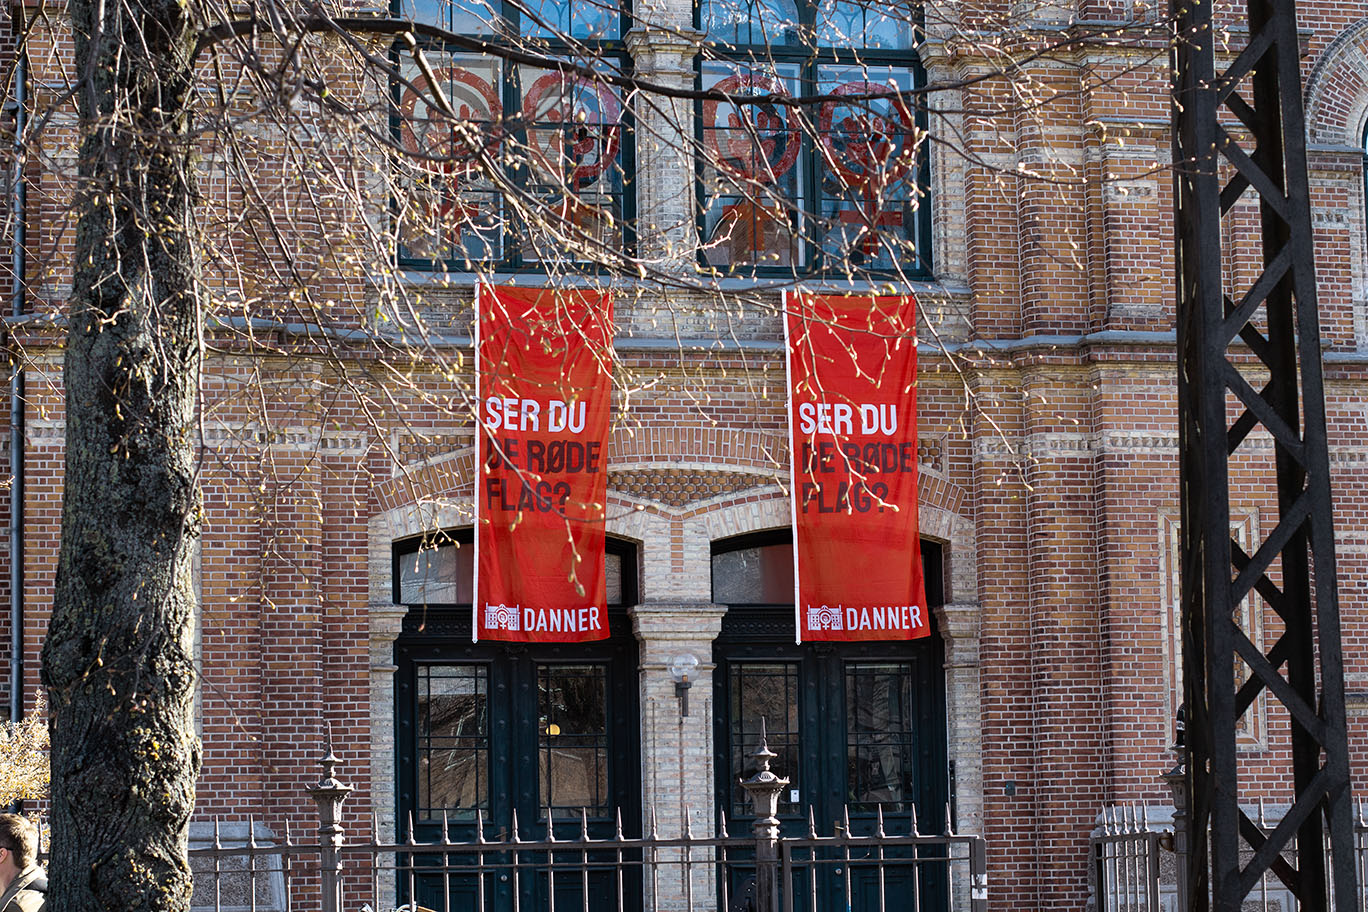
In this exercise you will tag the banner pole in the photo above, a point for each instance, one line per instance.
(479, 467)
(788, 297)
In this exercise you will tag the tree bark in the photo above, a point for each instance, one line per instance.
(118, 658)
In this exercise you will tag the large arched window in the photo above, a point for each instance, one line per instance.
(837, 187)
(530, 172)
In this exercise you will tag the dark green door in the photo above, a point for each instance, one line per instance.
(544, 735)
(858, 728)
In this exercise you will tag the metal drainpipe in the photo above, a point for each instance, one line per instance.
(19, 210)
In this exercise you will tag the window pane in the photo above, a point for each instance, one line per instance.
(880, 738)
(453, 740)
(437, 576)
(449, 207)
(769, 23)
(847, 24)
(768, 691)
(573, 750)
(444, 575)
(754, 576)
(870, 196)
(467, 17)
(574, 137)
(752, 169)
(588, 20)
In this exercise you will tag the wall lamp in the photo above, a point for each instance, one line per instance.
(681, 670)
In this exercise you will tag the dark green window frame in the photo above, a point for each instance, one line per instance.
(473, 197)
(806, 203)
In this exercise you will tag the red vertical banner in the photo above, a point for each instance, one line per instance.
(852, 371)
(543, 384)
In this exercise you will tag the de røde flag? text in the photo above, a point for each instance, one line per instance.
(543, 384)
(852, 367)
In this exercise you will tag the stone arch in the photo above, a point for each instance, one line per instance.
(1337, 90)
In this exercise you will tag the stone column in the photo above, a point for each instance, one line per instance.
(677, 750)
(386, 623)
(959, 625)
(662, 53)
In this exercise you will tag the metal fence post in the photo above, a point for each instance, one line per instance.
(764, 788)
(978, 875)
(329, 793)
(1177, 780)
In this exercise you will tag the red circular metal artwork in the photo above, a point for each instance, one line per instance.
(868, 141)
(573, 124)
(762, 149)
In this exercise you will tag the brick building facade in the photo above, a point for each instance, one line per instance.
(1048, 445)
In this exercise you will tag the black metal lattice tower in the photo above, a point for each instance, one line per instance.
(1241, 134)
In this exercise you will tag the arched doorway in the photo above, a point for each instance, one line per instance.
(540, 732)
(859, 728)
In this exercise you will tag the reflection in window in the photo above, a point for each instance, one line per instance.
(572, 754)
(585, 20)
(768, 691)
(756, 22)
(762, 575)
(880, 736)
(437, 576)
(444, 575)
(847, 24)
(453, 740)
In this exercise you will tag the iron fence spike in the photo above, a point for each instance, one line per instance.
(949, 821)
(446, 832)
(515, 826)
(879, 824)
(550, 825)
(912, 806)
(479, 826)
(217, 843)
(722, 823)
(251, 831)
(812, 823)
(287, 832)
(584, 824)
(655, 833)
(688, 826)
(617, 825)
(411, 839)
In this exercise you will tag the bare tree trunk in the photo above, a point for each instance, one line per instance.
(117, 660)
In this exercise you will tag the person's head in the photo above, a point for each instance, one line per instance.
(18, 846)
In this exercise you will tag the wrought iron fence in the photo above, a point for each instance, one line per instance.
(567, 865)
(1135, 868)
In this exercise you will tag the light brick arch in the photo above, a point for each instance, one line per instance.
(720, 448)
(1337, 90)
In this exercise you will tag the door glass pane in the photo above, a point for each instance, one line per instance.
(453, 740)
(768, 691)
(572, 756)
(754, 576)
(880, 740)
(444, 575)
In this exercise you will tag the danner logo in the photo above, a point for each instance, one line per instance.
(824, 618)
(501, 617)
